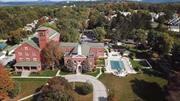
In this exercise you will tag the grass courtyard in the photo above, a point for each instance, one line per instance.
(136, 87)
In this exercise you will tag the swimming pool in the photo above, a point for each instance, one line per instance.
(117, 65)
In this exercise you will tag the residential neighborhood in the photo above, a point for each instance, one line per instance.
(89, 51)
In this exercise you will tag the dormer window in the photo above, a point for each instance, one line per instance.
(26, 48)
(41, 34)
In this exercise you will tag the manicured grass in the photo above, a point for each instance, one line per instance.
(15, 74)
(94, 73)
(136, 64)
(45, 73)
(137, 87)
(28, 86)
(139, 64)
(65, 73)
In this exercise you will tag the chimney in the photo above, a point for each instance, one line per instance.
(43, 38)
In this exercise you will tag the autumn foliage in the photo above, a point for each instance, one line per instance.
(6, 83)
(51, 54)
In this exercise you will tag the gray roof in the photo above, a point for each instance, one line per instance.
(27, 64)
(68, 44)
(1, 54)
(32, 43)
(85, 47)
(51, 31)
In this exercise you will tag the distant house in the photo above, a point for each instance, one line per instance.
(126, 53)
(125, 13)
(88, 36)
(155, 16)
(27, 54)
(80, 52)
(174, 28)
(174, 24)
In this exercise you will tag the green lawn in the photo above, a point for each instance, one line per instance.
(137, 87)
(65, 73)
(45, 73)
(136, 64)
(15, 74)
(100, 62)
(28, 86)
(94, 73)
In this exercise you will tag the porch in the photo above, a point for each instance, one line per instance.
(27, 66)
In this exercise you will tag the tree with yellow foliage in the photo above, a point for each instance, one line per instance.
(6, 83)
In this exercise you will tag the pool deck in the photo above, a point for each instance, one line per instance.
(115, 56)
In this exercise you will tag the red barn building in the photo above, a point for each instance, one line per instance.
(78, 53)
(27, 55)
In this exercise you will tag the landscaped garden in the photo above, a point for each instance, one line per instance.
(147, 86)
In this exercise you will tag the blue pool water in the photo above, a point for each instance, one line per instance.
(117, 65)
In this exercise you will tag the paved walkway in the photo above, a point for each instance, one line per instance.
(100, 73)
(27, 97)
(25, 73)
(99, 90)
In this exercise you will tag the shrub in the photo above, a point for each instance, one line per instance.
(103, 70)
(83, 89)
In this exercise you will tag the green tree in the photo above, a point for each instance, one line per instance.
(173, 87)
(160, 42)
(176, 53)
(140, 35)
(100, 33)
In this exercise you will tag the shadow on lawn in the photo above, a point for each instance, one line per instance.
(152, 72)
(36, 96)
(148, 91)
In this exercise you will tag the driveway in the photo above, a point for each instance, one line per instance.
(99, 90)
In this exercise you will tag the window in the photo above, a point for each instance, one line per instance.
(41, 34)
(27, 59)
(26, 48)
(34, 54)
(34, 59)
(33, 68)
(20, 53)
(20, 59)
(27, 54)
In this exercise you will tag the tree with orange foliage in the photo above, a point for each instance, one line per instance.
(6, 83)
(51, 55)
